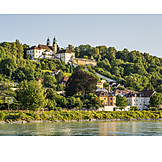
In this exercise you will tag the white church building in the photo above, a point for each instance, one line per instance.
(48, 51)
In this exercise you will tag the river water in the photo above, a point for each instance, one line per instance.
(115, 128)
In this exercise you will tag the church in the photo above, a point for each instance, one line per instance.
(48, 51)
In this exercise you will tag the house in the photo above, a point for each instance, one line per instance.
(107, 99)
(99, 85)
(103, 80)
(65, 55)
(41, 80)
(140, 99)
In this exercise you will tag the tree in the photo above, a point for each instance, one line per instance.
(51, 104)
(121, 102)
(7, 93)
(156, 100)
(80, 82)
(49, 81)
(78, 102)
(71, 48)
(59, 76)
(31, 95)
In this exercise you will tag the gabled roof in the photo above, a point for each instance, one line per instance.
(65, 51)
(40, 46)
(33, 47)
(101, 90)
(144, 93)
(101, 94)
(148, 93)
(117, 91)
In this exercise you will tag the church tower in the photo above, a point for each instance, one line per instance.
(48, 42)
(54, 45)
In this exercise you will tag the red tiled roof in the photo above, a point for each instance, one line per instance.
(66, 79)
(64, 51)
(117, 91)
(33, 47)
(41, 79)
(40, 46)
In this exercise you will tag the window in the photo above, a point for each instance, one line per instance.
(104, 98)
(110, 98)
(110, 103)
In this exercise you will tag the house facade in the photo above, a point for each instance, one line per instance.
(140, 99)
(107, 99)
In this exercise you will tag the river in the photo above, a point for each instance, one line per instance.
(119, 128)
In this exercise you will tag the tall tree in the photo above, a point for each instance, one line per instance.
(31, 95)
(80, 82)
(156, 100)
(121, 102)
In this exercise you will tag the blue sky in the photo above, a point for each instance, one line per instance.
(134, 32)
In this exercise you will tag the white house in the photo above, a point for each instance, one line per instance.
(48, 51)
(140, 99)
(66, 55)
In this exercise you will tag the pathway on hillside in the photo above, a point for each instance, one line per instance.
(101, 76)
(106, 78)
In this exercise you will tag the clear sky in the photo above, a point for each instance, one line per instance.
(134, 32)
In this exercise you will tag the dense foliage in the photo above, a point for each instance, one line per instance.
(121, 102)
(135, 70)
(78, 115)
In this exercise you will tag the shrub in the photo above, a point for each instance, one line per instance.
(2, 115)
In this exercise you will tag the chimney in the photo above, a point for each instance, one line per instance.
(109, 88)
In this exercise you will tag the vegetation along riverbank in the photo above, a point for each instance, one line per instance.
(64, 116)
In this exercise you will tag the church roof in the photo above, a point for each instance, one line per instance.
(40, 46)
(64, 51)
(33, 47)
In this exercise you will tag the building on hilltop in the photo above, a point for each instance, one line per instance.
(65, 55)
(48, 51)
(43, 51)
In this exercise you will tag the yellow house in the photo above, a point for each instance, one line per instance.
(107, 99)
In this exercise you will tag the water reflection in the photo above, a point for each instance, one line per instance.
(122, 128)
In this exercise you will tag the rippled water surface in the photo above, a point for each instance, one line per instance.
(123, 128)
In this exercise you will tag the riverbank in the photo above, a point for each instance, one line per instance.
(75, 116)
(90, 120)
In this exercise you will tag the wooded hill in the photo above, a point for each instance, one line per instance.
(133, 69)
